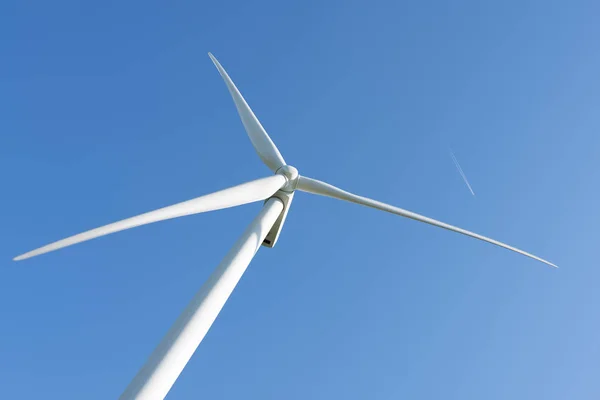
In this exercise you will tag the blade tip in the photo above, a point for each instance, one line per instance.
(27, 255)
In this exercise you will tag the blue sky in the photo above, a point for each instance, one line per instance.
(112, 109)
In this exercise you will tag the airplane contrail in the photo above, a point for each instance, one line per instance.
(461, 172)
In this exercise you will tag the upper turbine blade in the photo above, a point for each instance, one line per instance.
(317, 187)
(249, 192)
(261, 141)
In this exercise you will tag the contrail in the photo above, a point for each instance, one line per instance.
(461, 172)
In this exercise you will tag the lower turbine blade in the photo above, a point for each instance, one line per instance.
(317, 187)
(245, 193)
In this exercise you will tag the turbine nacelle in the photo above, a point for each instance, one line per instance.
(285, 194)
(286, 198)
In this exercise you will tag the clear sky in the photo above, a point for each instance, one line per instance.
(110, 109)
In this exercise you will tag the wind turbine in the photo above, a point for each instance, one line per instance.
(161, 370)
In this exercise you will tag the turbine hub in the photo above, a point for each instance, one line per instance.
(291, 175)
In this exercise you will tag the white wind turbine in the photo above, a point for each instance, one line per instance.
(159, 373)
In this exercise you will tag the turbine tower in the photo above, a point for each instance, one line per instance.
(161, 370)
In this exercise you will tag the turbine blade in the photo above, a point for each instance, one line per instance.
(318, 187)
(264, 146)
(245, 193)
